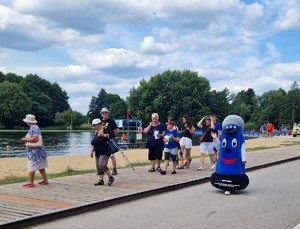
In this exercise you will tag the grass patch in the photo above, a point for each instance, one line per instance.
(68, 172)
(260, 148)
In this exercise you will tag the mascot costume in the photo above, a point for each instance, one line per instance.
(230, 170)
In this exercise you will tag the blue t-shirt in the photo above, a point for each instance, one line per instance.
(218, 128)
(171, 144)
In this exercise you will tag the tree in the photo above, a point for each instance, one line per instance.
(114, 103)
(69, 118)
(270, 104)
(172, 93)
(14, 105)
(244, 103)
(290, 112)
(47, 98)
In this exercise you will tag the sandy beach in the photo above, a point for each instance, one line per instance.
(18, 166)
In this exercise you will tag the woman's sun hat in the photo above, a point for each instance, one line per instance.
(30, 119)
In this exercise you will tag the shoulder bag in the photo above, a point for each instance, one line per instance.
(37, 144)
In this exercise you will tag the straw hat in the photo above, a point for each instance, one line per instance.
(30, 119)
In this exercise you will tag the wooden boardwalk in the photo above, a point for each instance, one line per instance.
(21, 207)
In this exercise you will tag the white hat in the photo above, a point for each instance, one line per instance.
(231, 121)
(104, 109)
(30, 119)
(96, 121)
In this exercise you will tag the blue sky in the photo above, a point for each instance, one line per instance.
(86, 45)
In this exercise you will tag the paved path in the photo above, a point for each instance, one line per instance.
(65, 196)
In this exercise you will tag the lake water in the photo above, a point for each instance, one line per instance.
(56, 143)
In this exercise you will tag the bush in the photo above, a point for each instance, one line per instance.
(250, 126)
(85, 127)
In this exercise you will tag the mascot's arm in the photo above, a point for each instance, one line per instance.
(216, 141)
(243, 153)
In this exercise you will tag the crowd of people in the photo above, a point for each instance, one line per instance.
(165, 139)
(176, 144)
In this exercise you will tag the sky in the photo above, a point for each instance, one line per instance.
(87, 45)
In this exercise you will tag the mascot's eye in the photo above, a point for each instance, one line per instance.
(224, 142)
(234, 142)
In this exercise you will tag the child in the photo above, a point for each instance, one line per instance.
(171, 140)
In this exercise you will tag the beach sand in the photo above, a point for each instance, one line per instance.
(18, 166)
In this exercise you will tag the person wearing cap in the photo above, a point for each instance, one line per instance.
(37, 156)
(101, 151)
(207, 141)
(110, 123)
(171, 140)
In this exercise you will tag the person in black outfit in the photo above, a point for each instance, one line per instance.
(101, 151)
(109, 122)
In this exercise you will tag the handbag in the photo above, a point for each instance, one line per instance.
(112, 146)
(147, 143)
(202, 138)
(37, 144)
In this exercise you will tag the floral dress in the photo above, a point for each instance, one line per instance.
(37, 157)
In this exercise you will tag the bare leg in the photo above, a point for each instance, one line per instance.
(152, 162)
(166, 165)
(114, 161)
(202, 160)
(174, 165)
(43, 173)
(188, 156)
(211, 157)
(158, 163)
(31, 176)
(181, 158)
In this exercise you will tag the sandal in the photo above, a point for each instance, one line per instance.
(28, 185)
(180, 167)
(151, 170)
(158, 169)
(43, 182)
(200, 169)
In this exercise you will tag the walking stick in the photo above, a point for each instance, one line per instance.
(116, 145)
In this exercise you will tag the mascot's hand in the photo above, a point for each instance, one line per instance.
(213, 134)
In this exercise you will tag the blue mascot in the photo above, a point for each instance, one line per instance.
(230, 170)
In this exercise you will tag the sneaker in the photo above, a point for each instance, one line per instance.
(100, 182)
(163, 173)
(114, 172)
(173, 172)
(151, 170)
(111, 180)
(158, 169)
(200, 169)
(213, 167)
(227, 193)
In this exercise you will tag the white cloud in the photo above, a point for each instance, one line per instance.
(150, 46)
(290, 20)
(113, 58)
(88, 45)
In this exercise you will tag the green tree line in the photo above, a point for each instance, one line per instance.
(170, 94)
(30, 94)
